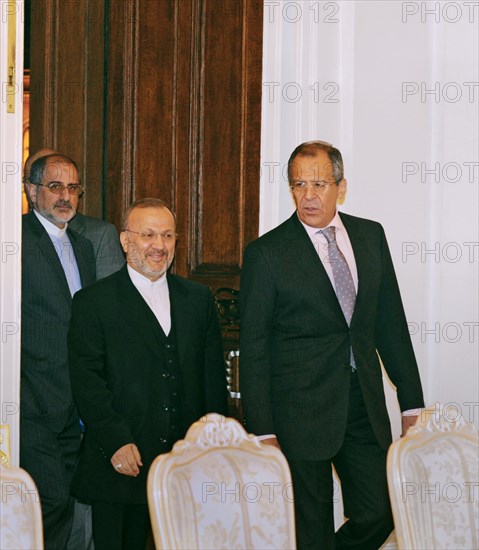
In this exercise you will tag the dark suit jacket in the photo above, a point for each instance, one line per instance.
(106, 244)
(114, 349)
(295, 342)
(46, 305)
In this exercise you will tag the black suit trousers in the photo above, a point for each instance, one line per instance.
(120, 526)
(49, 457)
(361, 467)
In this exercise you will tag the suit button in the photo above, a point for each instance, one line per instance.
(165, 408)
(168, 346)
(165, 375)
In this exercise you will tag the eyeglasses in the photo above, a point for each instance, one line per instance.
(317, 186)
(57, 188)
(150, 236)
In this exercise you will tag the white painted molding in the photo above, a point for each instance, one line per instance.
(10, 235)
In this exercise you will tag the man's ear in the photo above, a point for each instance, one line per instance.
(342, 185)
(31, 192)
(124, 240)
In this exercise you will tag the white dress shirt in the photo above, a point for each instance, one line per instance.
(344, 244)
(156, 295)
(63, 247)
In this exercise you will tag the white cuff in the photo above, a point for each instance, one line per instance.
(411, 412)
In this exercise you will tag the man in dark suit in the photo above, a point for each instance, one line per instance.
(146, 361)
(109, 258)
(56, 262)
(103, 235)
(319, 302)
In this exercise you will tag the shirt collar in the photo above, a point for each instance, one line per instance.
(336, 222)
(50, 227)
(140, 280)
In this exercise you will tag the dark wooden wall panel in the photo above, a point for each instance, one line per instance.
(67, 86)
(219, 186)
(155, 103)
(229, 72)
(42, 75)
(93, 105)
(184, 142)
(158, 98)
(70, 81)
(120, 108)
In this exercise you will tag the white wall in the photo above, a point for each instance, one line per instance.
(358, 74)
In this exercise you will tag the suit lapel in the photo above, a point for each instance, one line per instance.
(84, 258)
(137, 313)
(48, 250)
(362, 257)
(180, 315)
(308, 261)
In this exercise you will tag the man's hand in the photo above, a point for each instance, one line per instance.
(271, 441)
(127, 460)
(407, 422)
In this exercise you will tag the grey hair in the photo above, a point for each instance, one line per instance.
(37, 169)
(311, 148)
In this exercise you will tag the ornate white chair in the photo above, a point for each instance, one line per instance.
(221, 488)
(20, 511)
(433, 481)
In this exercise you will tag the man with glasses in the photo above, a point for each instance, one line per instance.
(319, 302)
(103, 235)
(146, 361)
(109, 258)
(56, 262)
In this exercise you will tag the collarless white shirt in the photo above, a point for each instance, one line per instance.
(344, 244)
(63, 247)
(51, 228)
(156, 294)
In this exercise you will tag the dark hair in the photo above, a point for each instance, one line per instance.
(148, 202)
(37, 170)
(311, 148)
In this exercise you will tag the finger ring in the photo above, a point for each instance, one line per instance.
(118, 466)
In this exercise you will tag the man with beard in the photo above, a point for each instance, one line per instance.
(108, 259)
(102, 235)
(56, 262)
(146, 361)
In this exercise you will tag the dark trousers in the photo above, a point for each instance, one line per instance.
(49, 457)
(361, 467)
(120, 526)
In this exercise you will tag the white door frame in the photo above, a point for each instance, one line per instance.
(11, 131)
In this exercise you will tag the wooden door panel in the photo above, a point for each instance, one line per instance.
(158, 98)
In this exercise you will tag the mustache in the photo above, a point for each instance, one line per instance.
(64, 204)
(160, 252)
